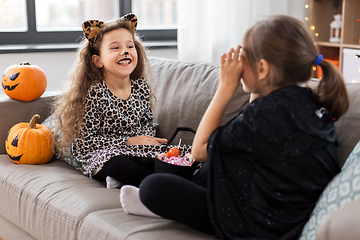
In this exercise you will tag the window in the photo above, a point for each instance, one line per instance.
(158, 14)
(68, 15)
(52, 21)
(10, 20)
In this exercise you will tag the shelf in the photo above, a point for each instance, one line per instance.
(321, 14)
(351, 11)
(327, 44)
(356, 46)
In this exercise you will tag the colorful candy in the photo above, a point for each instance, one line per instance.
(173, 152)
(173, 157)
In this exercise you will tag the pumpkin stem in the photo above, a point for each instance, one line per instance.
(32, 123)
(25, 63)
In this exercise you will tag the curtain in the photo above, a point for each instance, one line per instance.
(209, 28)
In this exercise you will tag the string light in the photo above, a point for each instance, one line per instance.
(312, 27)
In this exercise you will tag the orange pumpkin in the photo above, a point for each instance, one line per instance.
(30, 143)
(24, 82)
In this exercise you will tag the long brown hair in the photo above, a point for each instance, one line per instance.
(69, 106)
(288, 46)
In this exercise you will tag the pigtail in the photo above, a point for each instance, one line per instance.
(331, 91)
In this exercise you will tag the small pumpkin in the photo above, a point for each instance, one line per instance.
(24, 82)
(30, 143)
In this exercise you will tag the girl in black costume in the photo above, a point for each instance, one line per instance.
(269, 165)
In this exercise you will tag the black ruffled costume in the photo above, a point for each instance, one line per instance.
(269, 165)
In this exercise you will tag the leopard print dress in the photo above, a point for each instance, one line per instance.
(109, 121)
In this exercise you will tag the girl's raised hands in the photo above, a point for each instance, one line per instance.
(231, 66)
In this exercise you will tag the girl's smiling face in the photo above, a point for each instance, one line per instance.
(118, 56)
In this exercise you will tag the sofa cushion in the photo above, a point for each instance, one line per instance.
(348, 127)
(341, 224)
(343, 189)
(49, 201)
(115, 224)
(66, 154)
(184, 91)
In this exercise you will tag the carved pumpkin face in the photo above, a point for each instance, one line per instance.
(30, 143)
(24, 82)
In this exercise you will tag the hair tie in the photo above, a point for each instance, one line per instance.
(318, 60)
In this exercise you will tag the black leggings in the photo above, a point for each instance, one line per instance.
(177, 198)
(126, 170)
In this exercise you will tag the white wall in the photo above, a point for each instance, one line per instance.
(56, 65)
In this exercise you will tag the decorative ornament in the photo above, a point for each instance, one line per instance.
(24, 82)
(335, 29)
(30, 143)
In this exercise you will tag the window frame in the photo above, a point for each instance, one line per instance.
(32, 36)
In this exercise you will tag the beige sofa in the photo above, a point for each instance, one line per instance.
(55, 201)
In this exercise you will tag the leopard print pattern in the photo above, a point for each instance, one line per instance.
(91, 28)
(110, 121)
(132, 19)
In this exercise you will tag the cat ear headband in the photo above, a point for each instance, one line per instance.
(91, 28)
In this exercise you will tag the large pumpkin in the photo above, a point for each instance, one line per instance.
(24, 82)
(30, 143)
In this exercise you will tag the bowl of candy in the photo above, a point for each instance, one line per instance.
(172, 162)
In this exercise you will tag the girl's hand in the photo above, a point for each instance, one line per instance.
(231, 67)
(145, 140)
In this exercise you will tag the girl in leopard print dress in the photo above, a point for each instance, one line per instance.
(106, 112)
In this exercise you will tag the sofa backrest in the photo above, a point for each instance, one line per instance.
(348, 127)
(183, 91)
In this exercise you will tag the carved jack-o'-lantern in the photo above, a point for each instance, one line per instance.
(24, 82)
(30, 143)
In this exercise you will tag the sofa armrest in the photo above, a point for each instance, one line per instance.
(14, 111)
(341, 224)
